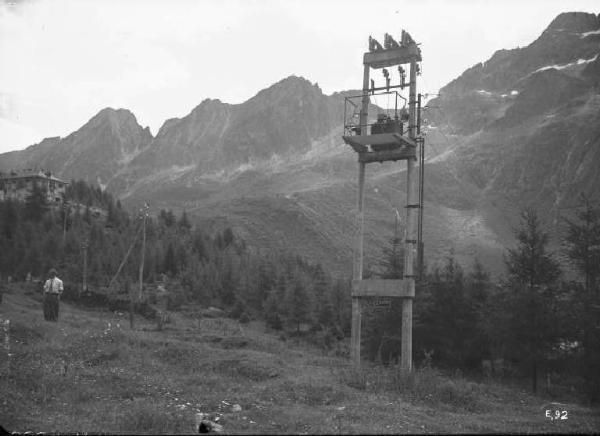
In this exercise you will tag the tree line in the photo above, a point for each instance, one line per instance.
(536, 318)
(212, 268)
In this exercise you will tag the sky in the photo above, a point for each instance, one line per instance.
(62, 61)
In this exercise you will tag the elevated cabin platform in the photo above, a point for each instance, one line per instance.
(383, 147)
(381, 288)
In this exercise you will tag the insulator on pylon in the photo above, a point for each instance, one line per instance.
(390, 42)
(386, 41)
(374, 44)
(402, 76)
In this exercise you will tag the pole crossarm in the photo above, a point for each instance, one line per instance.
(391, 57)
(382, 288)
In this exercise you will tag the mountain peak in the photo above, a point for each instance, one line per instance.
(115, 114)
(292, 78)
(116, 120)
(290, 87)
(295, 81)
(209, 103)
(574, 22)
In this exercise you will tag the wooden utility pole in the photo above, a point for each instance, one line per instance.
(412, 205)
(385, 141)
(64, 207)
(84, 246)
(360, 219)
(144, 216)
(131, 304)
(124, 259)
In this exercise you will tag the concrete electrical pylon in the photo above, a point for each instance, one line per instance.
(387, 140)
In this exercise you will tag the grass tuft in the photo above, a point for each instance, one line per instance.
(146, 417)
(424, 385)
(315, 394)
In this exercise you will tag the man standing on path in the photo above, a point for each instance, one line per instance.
(53, 289)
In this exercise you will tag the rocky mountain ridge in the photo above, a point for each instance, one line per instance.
(521, 129)
(528, 119)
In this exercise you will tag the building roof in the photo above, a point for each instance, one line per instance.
(30, 173)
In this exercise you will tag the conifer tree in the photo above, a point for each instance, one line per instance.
(583, 244)
(169, 262)
(198, 245)
(322, 297)
(392, 263)
(281, 294)
(342, 305)
(272, 310)
(184, 222)
(532, 277)
(583, 248)
(9, 218)
(478, 288)
(36, 204)
(228, 237)
(298, 305)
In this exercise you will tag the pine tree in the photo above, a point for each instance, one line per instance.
(342, 305)
(229, 280)
(583, 244)
(478, 289)
(298, 305)
(382, 325)
(87, 216)
(272, 310)
(445, 321)
(322, 296)
(9, 218)
(281, 294)
(199, 246)
(228, 237)
(583, 248)
(113, 218)
(532, 277)
(392, 263)
(184, 222)
(36, 204)
(169, 261)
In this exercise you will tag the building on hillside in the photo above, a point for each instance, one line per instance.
(17, 185)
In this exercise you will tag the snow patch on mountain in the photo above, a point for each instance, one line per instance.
(565, 66)
(586, 34)
(272, 165)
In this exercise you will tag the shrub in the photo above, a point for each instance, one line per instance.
(274, 321)
(176, 299)
(237, 310)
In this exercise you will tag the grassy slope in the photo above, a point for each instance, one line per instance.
(84, 374)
